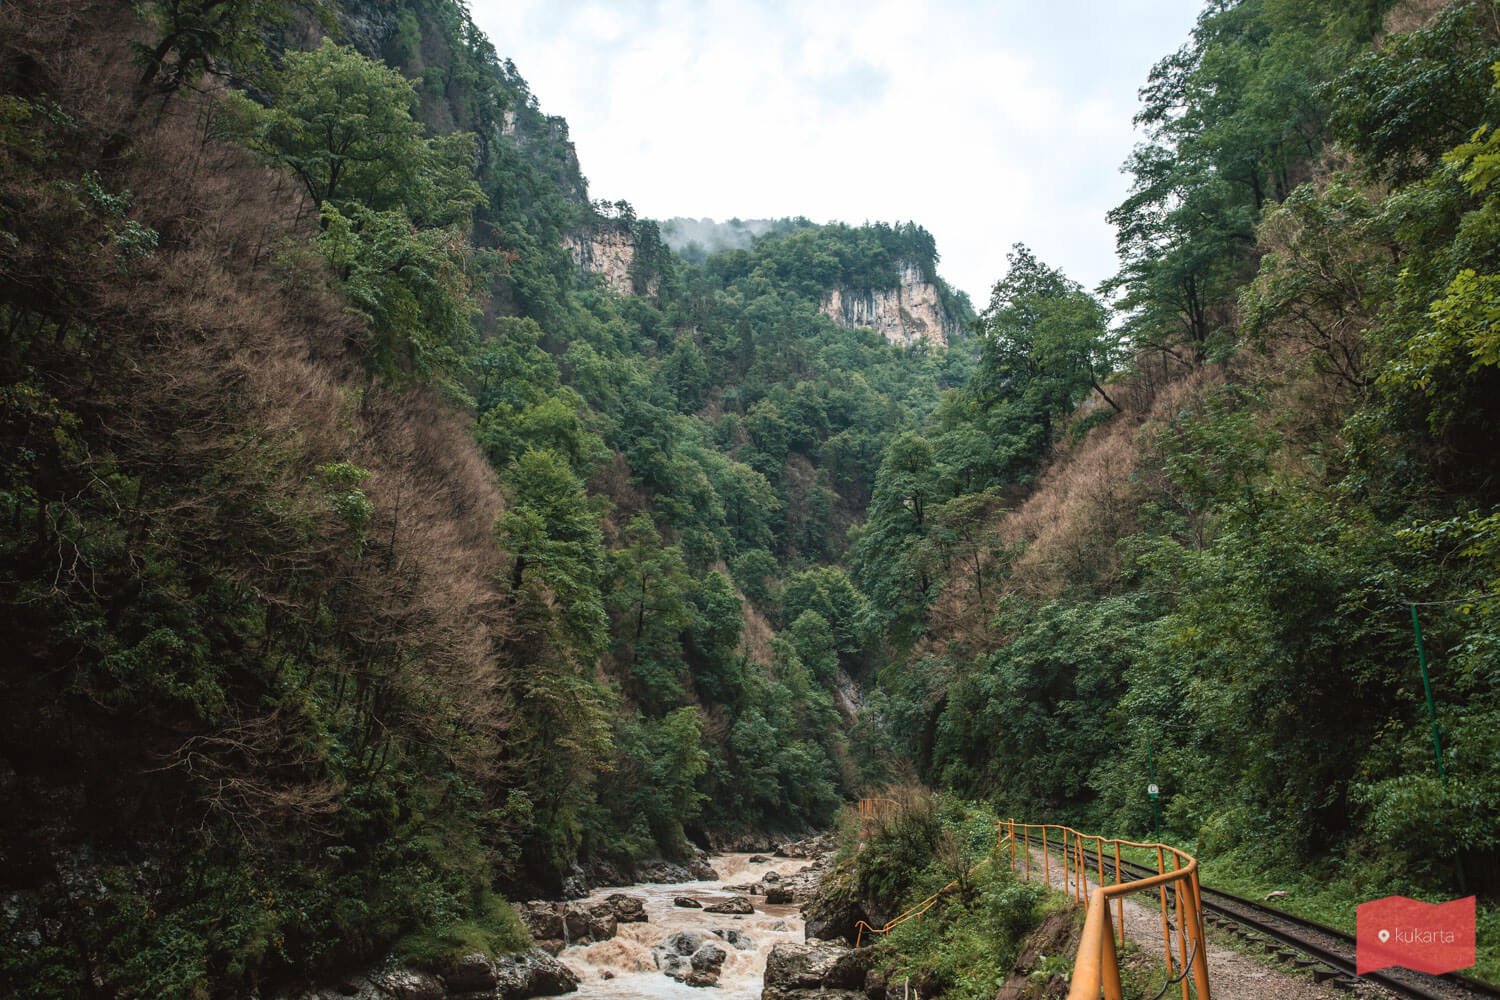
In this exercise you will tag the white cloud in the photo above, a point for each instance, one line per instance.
(988, 123)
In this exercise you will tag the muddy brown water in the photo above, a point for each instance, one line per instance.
(622, 968)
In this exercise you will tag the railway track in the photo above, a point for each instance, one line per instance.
(1306, 944)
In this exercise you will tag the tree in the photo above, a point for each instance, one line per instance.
(553, 536)
(343, 125)
(207, 36)
(415, 286)
(649, 597)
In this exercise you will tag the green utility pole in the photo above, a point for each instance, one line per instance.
(1437, 744)
(1154, 791)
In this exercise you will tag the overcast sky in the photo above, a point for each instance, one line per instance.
(988, 123)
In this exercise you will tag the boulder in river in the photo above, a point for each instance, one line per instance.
(706, 964)
(777, 895)
(816, 970)
(687, 902)
(594, 922)
(734, 904)
(739, 939)
(627, 909)
(691, 958)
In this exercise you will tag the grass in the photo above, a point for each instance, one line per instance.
(494, 929)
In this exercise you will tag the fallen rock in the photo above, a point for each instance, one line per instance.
(702, 870)
(758, 860)
(778, 895)
(662, 871)
(734, 904)
(670, 951)
(688, 902)
(816, 969)
(1056, 935)
(771, 877)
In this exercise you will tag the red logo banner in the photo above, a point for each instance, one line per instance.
(1427, 937)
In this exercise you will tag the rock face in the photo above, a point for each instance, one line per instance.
(610, 250)
(911, 312)
(1056, 936)
(825, 971)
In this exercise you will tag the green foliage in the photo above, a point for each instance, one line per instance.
(193, 37)
(343, 125)
(414, 285)
(495, 929)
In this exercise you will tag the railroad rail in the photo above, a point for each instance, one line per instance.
(1328, 953)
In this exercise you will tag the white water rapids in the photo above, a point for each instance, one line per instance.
(627, 956)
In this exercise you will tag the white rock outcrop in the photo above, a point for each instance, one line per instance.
(904, 315)
(610, 252)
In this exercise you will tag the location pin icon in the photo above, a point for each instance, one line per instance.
(1384, 936)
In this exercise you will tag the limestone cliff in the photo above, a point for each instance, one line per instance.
(610, 249)
(911, 311)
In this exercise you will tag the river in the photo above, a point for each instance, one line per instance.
(622, 968)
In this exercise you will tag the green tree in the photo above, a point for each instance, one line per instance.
(343, 125)
(649, 597)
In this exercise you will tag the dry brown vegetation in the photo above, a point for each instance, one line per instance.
(217, 380)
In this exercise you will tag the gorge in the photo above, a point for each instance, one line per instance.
(389, 532)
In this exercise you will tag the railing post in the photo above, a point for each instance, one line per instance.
(1120, 899)
(1166, 926)
(1200, 945)
(1182, 938)
(1109, 968)
(1046, 861)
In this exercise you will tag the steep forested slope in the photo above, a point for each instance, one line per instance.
(390, 528)
(368, 554)
(1204, 575)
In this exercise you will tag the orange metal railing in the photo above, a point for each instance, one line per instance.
(1096, 968)
(916, 911)
(871, 809)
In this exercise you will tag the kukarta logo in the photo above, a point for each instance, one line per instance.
(1427, 937)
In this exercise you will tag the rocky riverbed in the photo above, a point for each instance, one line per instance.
(705, 933)
(709, 923)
